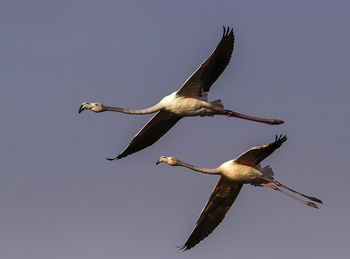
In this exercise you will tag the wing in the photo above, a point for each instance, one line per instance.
(256, 154)
(209, 71)
(220, 201)
(151, 132)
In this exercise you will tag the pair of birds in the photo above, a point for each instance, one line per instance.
(191, 100)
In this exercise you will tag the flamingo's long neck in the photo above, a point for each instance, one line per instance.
(149, 110)
(198, 169)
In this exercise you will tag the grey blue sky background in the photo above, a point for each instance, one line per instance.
(60, 198)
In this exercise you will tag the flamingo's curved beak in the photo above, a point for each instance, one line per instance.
(81, 108)
(158, 162)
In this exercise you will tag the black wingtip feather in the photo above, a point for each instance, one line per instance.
(112, 159)
(121, 155)
(280, 139)
(227, 31)
(182, 248)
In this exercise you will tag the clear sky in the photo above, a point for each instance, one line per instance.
(60, 198)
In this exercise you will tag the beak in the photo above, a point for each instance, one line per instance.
(81, 108)
(158, 162)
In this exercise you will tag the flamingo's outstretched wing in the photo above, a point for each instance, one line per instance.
(209, 71)
(256, 154)
(156, 127)
(220, 201)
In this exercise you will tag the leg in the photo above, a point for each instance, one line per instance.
(289, 189)
(278, 189)
(243, 116)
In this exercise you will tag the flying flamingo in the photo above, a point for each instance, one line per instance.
(189, 100)
(233, 174)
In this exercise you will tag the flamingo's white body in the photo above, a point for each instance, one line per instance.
(239, 173)
(189, 100)
(244, 169)
(186, 106)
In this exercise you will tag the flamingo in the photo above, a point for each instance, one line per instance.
(233, 174)
(189, 100)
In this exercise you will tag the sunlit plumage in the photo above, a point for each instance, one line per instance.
(189, 100)
(233, 174)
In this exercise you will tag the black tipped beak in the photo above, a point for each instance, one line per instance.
(81, 109)
(158, 162)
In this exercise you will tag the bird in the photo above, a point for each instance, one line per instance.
(189, 100)
(245, 169)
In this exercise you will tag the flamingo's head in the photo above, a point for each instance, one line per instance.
(167, 159)
(95, 107)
